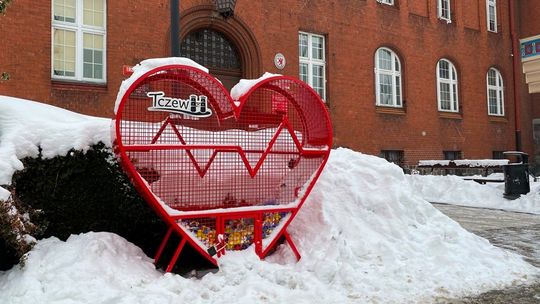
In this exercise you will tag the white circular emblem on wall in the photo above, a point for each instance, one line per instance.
(279, 61)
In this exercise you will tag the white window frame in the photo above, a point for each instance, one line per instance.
(387, 2)
(80, 29)
(395, 72)
(396, 157)
(311, 62)
(452, 84)
(499, 89)
(535, 130)
(491, 3)
(440, 11)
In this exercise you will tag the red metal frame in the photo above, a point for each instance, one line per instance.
(303, 134)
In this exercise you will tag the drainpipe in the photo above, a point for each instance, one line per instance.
(175, 28)
(517, 74)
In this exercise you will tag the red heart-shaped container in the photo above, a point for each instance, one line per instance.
(223, 174)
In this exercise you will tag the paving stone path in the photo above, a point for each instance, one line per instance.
(518, 232)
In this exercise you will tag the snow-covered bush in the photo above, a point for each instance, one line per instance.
(81, 192)
(3, 5)
(17, 231)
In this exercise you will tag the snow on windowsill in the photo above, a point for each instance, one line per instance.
(473, 163)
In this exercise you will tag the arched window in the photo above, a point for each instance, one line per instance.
(214, 51)
(388, 78)
(447, 86)
(495, 92)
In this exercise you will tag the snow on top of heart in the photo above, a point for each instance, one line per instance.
(244, 85)
(27, 126)
(364, 236)
(149, 64)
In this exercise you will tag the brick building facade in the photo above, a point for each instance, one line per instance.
(425, 117)
(527, 26)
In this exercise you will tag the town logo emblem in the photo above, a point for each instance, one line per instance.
(193, 106)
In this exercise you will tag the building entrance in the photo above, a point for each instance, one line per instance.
(213, 50)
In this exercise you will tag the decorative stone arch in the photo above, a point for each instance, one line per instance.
(233, 28)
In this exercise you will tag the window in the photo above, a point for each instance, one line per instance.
(452, 155)
(211, 49)
(389, 2)
(498, 155)
(387, 78)
(491, 12)
(312, 62)
(393, 156)
(536, 130)
(78, 40)
(215, 51)
(443, 10)
(447, 86)
(495, 92)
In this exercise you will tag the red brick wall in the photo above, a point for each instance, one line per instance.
(354, 29)
(134, 32)
(528, 25)
(529, 13)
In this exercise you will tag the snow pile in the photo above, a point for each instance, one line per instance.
(363, 234)
(434, 163)
(480, 162)
(149, 64)
(4, 194)
(88, 268)
(455, 190)
(26, 126)
(465, 162)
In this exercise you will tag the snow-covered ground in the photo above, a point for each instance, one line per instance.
(364, 234)
(455, 190)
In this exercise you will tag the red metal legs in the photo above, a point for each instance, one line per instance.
(162, 245)
(257, 242)
(176, 254)
(262, 254)
(257, 239)
(291, 244)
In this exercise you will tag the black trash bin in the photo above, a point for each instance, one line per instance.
(516, 175)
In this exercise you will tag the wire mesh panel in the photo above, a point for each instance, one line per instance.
(220, 160)
(198, 151)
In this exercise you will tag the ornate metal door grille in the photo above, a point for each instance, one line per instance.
(212, 50)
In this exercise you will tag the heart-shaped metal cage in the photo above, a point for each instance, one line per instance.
(210, 165)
